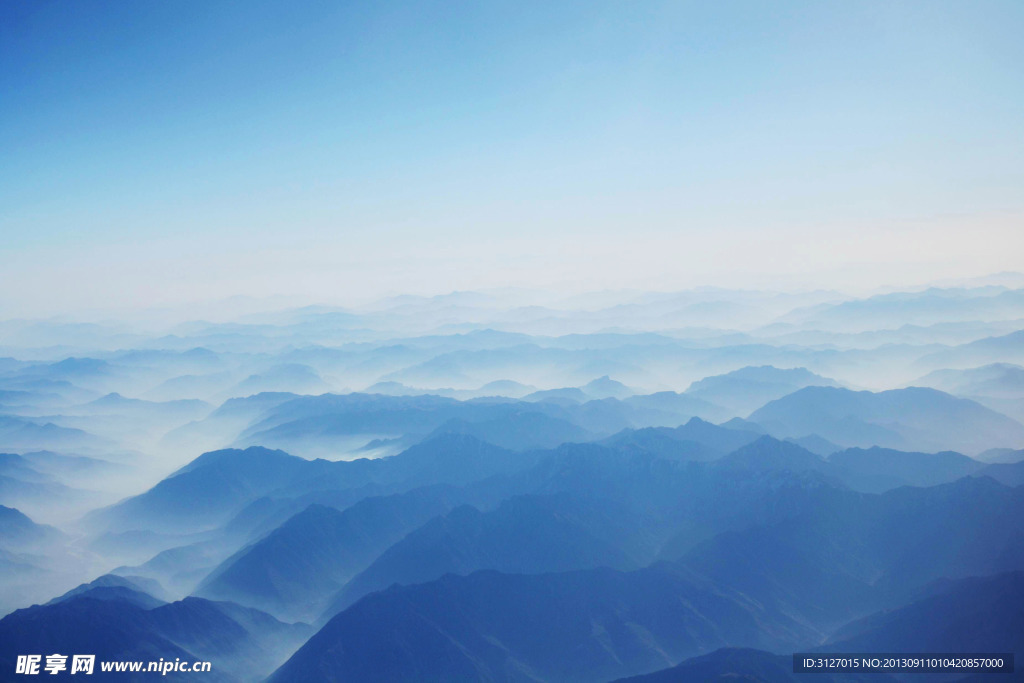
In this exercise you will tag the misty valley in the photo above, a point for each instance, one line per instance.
(511, 485)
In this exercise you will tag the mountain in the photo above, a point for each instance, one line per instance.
(705, 441)
(18, 531)
(1009, 474)
(669, 408)
(847, 554)
(815, 444)
(518, 431)
(295, 569)
(1008, 348)
(998, 380)
(208, 490)
(999, 386)
(767, 454)
(977, 614)
(731, 664)
(916, 419)
(933, 305)
(878, 469)
(137, 591)
(25, 434)
(606, 387)
(749, 388)
(505, 387)
(873, 470)
(586, 625)
(524, 535)
(241, 644)
(188, 409)
(1002, 455)
(216, 486)
(340, 423)
(566, 395)
(290, 377)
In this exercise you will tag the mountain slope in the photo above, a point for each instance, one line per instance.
(574, 626)
(907, 419)
(241, 644)
(524, 535)
(970, 615)
(749, 388)
(292, 571)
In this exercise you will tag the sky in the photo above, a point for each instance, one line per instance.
(164, 153)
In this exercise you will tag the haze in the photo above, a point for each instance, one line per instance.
(158, 155)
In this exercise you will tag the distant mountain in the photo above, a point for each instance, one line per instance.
(15, 466)
(18, 531)
(114, 403)
(524, 535)
(241, 644)
(968, 615)
(292, 377)
(137, 591)
(1008, 348)
(519, 431)
(208, 490)
(505, 387)
(295, 569)
(1002, 455)
(749, 388)
(933, 305)
(568, 394)
(24, 434)
(606, 387)
(575, 626)
(998, 380)
(204, 386)
(320, 421)
(999, 386)
(908, 419)
(730, 664)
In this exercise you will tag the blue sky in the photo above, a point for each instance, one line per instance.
(166, 152)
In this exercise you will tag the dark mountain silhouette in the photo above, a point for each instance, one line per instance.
(978, 614)
(242, 644)
(575, 626)
(136, 591)
(731, 664)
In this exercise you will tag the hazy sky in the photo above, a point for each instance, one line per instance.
(161, 152)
